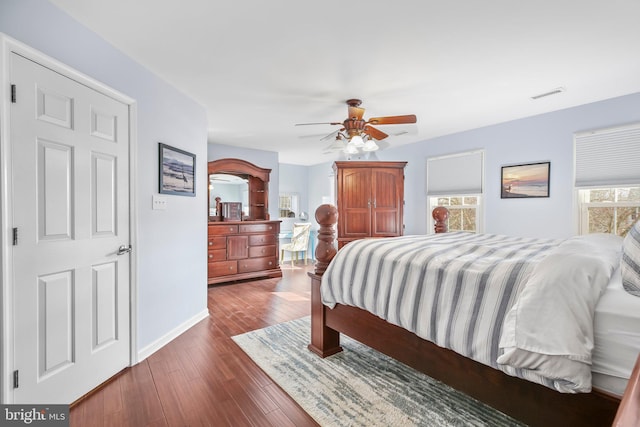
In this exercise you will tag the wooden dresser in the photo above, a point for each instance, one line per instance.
(370, 199)
(243, 250)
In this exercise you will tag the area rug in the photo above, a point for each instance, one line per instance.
(360, 386)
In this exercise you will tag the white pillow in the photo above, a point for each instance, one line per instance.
(630, 261)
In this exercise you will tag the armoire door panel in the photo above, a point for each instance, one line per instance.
(357, 224)
(385, 223)
(356, 189)
(385, 188)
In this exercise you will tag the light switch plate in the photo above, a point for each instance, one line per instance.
(159, 203)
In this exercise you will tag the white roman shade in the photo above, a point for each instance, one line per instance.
(608, 157)
(455, 174)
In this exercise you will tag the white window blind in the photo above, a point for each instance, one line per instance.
(608, 157)
(455, 174)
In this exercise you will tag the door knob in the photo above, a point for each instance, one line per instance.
(124, 249)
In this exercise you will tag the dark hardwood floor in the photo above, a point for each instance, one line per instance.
(202, 378)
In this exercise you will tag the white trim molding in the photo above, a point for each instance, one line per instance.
(171, 335)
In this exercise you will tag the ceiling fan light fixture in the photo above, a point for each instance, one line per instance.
(357, 141)
(350, 149)
(337, 145)
(370, 145)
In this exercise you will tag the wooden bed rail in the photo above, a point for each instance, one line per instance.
(628, 414)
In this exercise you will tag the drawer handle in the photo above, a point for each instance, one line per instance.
(210, 256)
(270, 263)
(270, 228)
(230, 268)
(210, 243)
(230, 228)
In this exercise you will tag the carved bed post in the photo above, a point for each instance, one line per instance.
(440, 215)
(324, 340)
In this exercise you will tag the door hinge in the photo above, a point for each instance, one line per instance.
(13, 94)
(15, 379)
(15, 236)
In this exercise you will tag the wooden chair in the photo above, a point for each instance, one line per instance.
(299, 242)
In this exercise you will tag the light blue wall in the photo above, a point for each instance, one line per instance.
(547, 137)
(294, 180)
(172, 265)
(261, 158)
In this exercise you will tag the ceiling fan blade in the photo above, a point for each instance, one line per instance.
(356, 112)
(374, 133)
(330, 136)
(393, 120)
(321, 123)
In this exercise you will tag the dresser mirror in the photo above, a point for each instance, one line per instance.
(238, 181)
(229, 188)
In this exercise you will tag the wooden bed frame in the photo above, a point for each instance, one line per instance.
(526, 401)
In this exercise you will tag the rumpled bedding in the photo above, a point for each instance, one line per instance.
(549, 330)
(484, 296)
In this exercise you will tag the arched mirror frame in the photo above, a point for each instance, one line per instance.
(258, 181)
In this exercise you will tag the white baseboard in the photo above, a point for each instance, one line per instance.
(164, 340)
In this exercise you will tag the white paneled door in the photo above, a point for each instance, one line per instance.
(70, 201)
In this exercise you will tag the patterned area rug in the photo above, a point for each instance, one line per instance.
(360, 386)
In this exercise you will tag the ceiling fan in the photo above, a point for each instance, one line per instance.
(358, 132)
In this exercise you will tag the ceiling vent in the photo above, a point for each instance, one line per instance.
(551, 92)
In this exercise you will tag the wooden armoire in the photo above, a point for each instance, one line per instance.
(370, 199)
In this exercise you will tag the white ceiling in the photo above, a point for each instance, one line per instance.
(259, 67)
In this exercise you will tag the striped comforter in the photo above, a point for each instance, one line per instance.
(453, 289)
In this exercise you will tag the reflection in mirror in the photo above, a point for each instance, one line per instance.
(230, 188)
(289, 205)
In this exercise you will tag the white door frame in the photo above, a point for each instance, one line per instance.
(7, 47)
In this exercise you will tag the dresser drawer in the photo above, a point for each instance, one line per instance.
(259, 228)
(222, 268)
(217, 242)
(262, 251)
(217, 255)
(262, 239)
(222, 229)
(257, 264)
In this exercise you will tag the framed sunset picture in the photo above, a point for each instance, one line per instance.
(526, 180)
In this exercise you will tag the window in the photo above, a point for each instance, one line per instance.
(463, 211)
(288, 205)
(609, 210)
(607, 179)
(455, 181)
